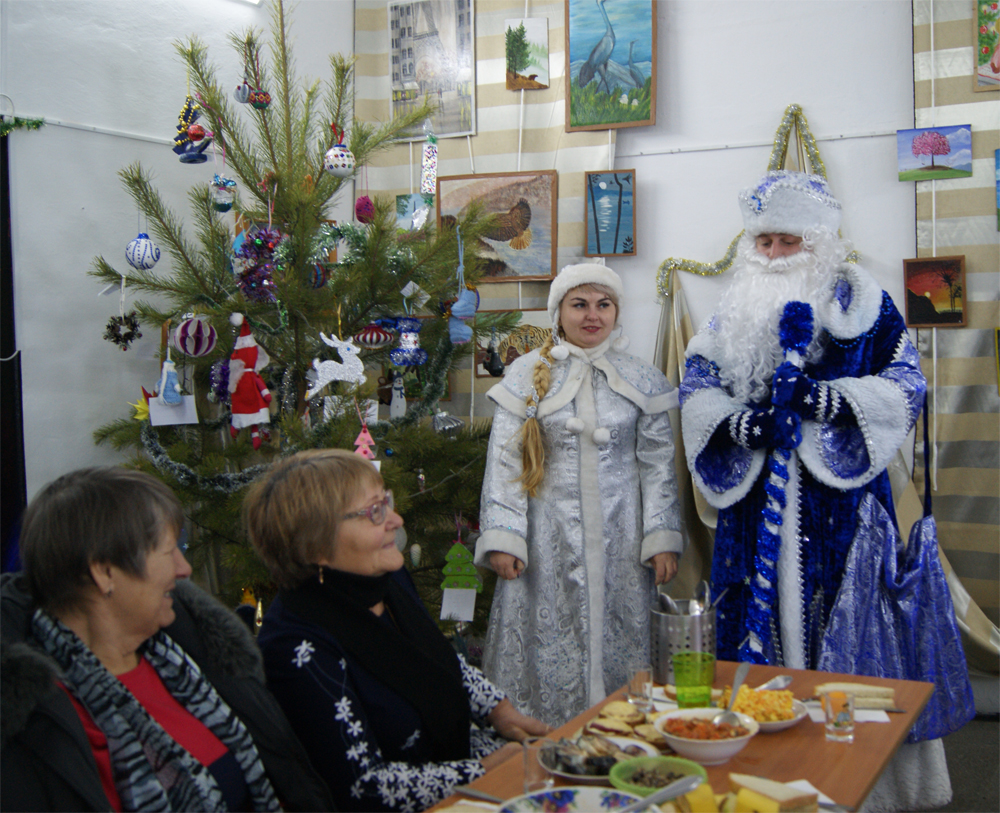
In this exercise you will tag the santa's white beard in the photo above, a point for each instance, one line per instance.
(748, 344)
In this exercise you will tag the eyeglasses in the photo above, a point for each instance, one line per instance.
(376, 512)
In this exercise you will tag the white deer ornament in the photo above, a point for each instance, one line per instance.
(350, 369)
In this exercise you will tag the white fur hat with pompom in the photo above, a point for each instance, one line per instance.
(573, 276)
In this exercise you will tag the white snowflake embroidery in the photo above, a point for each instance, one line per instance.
(355, 729)
(357, 751)
(303, 654)
(412, 739)
(343, 714)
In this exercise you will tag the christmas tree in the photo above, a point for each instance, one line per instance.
(315, 300)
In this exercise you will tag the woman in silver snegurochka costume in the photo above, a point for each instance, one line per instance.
(579, 512)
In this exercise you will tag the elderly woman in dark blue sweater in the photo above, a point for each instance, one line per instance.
(391, 716)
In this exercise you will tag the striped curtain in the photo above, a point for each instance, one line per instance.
(959, 216)
(515, 131)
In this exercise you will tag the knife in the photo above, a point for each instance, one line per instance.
(465, 790)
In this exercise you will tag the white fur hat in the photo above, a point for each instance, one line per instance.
(787, 202)
(573, 276)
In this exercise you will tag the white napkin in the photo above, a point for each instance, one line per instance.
(807, 787)
(860, 715)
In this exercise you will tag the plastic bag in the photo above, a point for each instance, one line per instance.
(893, 617)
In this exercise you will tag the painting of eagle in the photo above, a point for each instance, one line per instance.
(519, 208)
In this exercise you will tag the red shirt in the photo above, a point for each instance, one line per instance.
(145, 685)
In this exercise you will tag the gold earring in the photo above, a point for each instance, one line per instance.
(321, 574)
(110, 591)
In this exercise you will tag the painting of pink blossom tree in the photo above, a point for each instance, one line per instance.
(949, 150)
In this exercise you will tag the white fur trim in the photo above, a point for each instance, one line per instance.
(661, 541)
(878, 405)
(241, 420)
(559, 352)
(788, 202)
(620, 345)
(573, 276)
(593, 543)
(601, 435)
(789, 570)
(501, 541)
(701, 415)
(574, 425)
(864, 307)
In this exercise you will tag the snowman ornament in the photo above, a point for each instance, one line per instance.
(397, 406)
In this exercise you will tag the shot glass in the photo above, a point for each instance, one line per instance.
(693, 675)
(640, 686)
(838, 711)
(536, 775)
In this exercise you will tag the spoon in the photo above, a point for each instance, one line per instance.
(729, 716)
(671, 791)
(777, 682)
(668, 604)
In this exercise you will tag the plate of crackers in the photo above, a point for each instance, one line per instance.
(619, 718)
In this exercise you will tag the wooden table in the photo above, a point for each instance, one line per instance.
(844, 772)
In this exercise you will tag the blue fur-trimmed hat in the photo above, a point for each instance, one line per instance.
(788, 202)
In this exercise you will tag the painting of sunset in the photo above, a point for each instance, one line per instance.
(935, 291)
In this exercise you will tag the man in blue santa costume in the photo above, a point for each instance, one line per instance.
(790, 416)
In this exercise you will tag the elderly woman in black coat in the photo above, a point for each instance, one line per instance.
(125, 687)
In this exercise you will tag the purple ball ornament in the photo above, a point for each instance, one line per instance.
(195, 337)
(142, 253)
(364, 209)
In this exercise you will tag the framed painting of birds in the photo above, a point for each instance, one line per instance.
(610, 64)
(519, 241)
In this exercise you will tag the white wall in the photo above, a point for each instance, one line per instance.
(727, 72)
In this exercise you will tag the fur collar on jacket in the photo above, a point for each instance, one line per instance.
(214, 637)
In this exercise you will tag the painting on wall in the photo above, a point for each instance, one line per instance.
(519, 242)
(526, 49)
(933, 153)
(987, 39)
(432, 54)
(935, 291)
(531, 332)
(610, 215)
(610, 64)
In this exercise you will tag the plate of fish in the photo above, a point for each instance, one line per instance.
(588, 759)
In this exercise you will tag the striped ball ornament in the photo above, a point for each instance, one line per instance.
(195, 337)
(142, 252)
(373, 336)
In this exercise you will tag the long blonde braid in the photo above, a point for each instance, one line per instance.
(532, 442)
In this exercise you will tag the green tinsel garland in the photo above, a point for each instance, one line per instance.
(17, 123)
(186, 476)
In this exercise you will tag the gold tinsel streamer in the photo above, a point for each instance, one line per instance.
(792, 118)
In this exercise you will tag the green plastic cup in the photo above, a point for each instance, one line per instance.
(693, 675)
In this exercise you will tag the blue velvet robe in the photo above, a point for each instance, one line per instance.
(869, 360)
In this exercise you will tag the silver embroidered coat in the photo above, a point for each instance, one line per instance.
(561, 636)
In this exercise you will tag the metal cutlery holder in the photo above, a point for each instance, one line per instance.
(671, 633)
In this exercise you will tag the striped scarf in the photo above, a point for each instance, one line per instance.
(151, 771)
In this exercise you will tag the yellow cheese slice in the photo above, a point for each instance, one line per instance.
(748, 801)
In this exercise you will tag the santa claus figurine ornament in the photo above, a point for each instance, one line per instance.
(248, 393)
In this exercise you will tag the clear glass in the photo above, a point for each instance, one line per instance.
(640, 686)
(838, 711)
(536, 776)
(693, 675)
